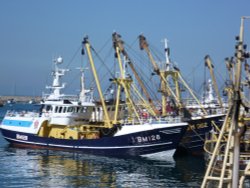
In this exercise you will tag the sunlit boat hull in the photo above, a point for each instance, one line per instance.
(142, 143)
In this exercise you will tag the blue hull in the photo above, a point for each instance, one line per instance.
(194, 138)
(134, 144)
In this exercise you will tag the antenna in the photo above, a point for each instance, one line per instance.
(166, 50)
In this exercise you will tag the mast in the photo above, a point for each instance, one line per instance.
(56, 84)
(166, 49)
(123, 82)
(164, 74)
(229, 172)
(240, 57)
(119, 43)
(210, 66)
(83, 91)
(107, 122)
(165, 88)
(230, 67)
(175, 74)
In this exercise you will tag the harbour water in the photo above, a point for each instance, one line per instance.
(22, 167)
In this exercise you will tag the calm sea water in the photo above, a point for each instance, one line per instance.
(21, 167)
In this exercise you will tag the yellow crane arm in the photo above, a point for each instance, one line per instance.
(119, 43)
(87, 46)
(150, 109)
(144, 45)
(124, 82)
(192, 93)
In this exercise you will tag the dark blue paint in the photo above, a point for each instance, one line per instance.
(131, 148)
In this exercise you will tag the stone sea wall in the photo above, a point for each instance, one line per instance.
(21, 99)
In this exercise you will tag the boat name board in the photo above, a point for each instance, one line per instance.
(21, 137)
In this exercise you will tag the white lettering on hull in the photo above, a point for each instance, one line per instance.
(144, 139)
(21, 137)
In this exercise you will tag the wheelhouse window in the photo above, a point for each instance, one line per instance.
(60, 109)
(78, 109)
(70, 109)
(48, 108)
(64, 109)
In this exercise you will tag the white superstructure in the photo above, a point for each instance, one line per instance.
(57, 108)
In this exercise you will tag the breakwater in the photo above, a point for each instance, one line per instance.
(21, 99)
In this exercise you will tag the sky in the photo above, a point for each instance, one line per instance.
(32, 33)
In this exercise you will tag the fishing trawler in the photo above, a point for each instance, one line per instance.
(200, 117)
(205, 117)
(127, 136)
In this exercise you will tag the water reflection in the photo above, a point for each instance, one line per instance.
(190, 169)
(49, 168)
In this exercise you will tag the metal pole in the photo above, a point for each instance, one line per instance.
(236, 153)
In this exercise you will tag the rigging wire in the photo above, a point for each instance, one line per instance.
(144, 76)
(155, 51)
(95, 52)
(105, 44)
(100, 68)
(74, 56)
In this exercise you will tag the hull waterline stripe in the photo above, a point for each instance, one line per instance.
(117, 147)
(36, 143)
(87, 147)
